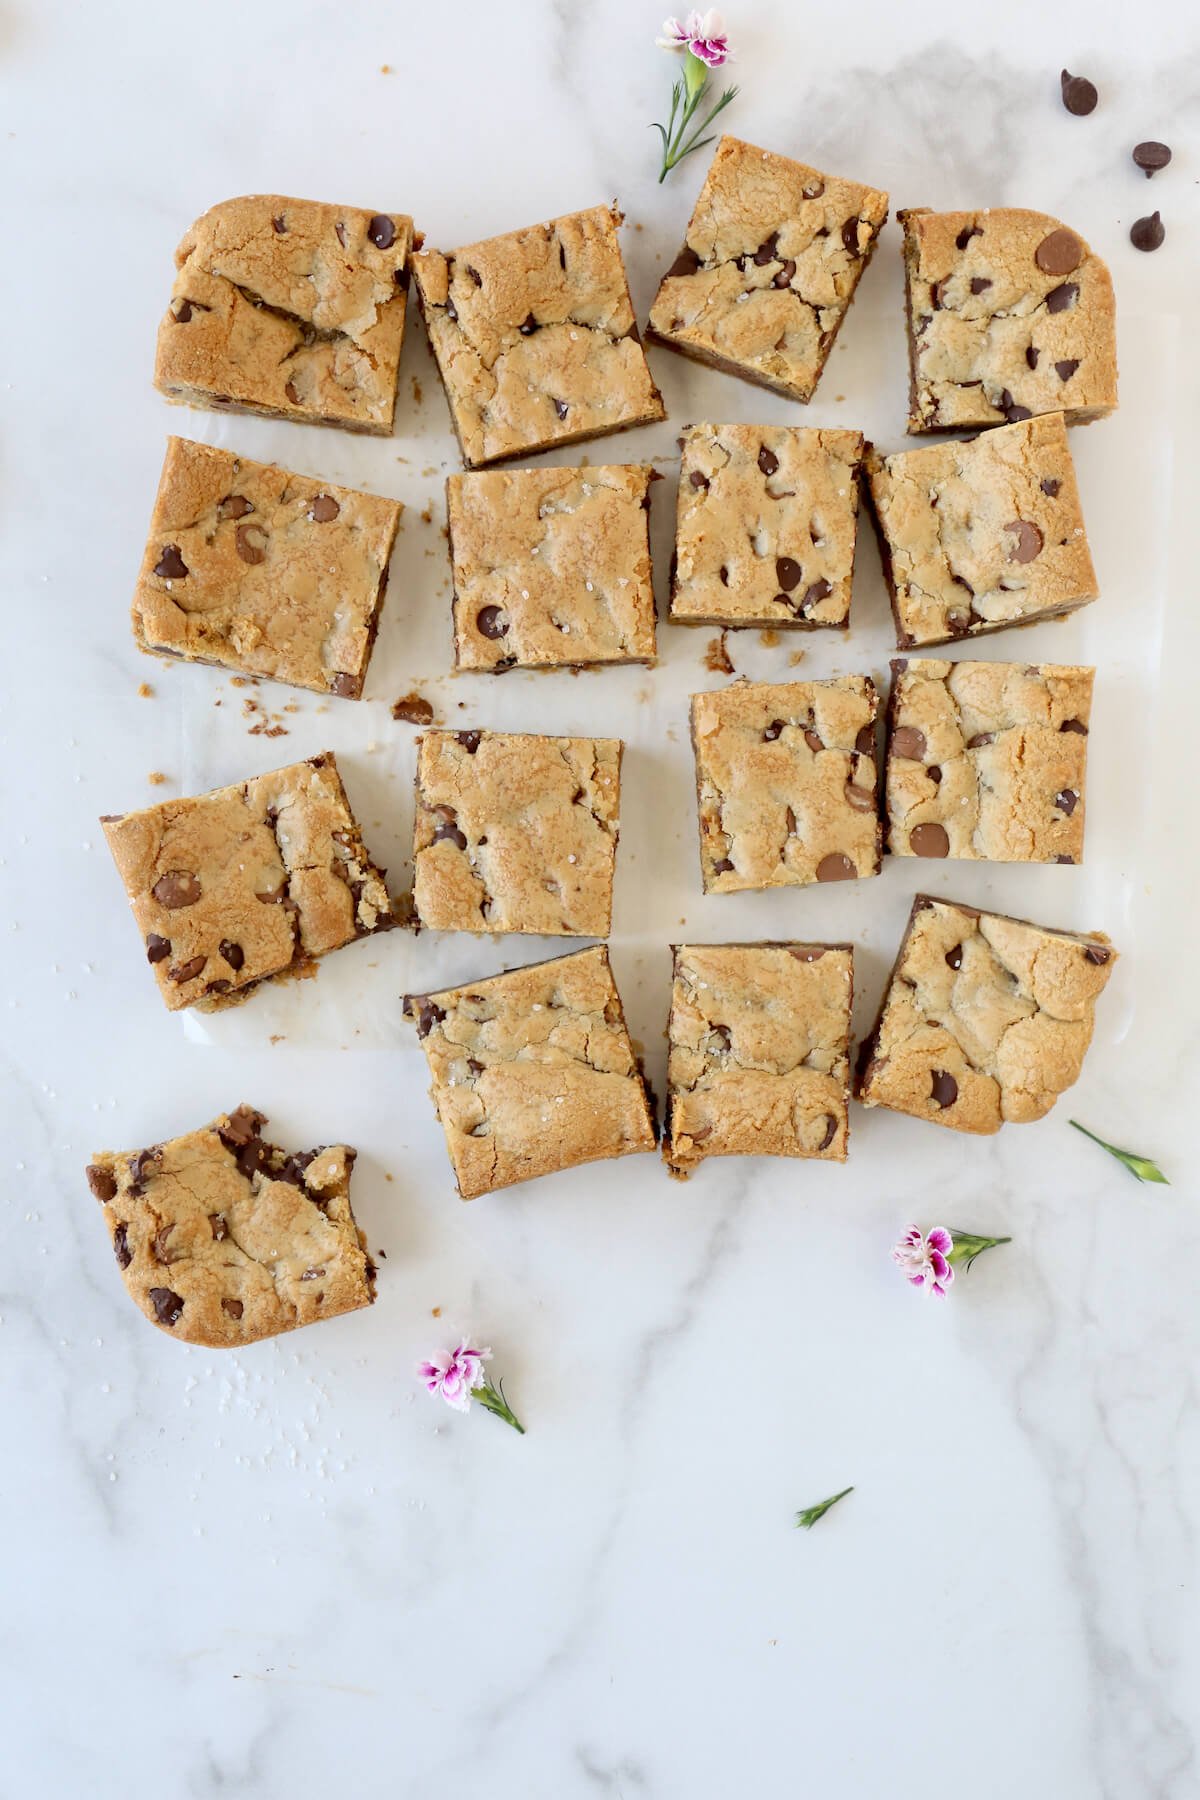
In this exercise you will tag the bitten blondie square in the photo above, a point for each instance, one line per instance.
(289, 308)
(223, 1239)
(979, 535)
(786, 783)
(515, 832)
(253, 568)
(986, 1019)
(533, 1072)
(551, 567)
(759, 1061)
(245, 883)
(766, 526)
(535, 337)
(773, 253)
(987, 760)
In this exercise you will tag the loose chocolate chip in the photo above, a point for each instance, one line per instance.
(954, 957)
(1027, 540)
(850, 237)
(167, 1305)
(178, 887)
(966, 234)
(1066, 801)
(121, 1250)
(1076, 725)
(698, 479)
(980, 739)
(1066, 368)
(449, 833)
(773, 731)
(813, 741)
(1031, 356)
(787, 573)
(686, 263)
(233, 954)
(766, 251)
(1151, 156)
(1079, 95)
(819, 590)
(1095, 954)
(861, 799)
(491, 622)
(102, 1181)
(1061, 297)
(929, 840)
(381, 232)
(1148, 233)
(345, 686)
(1050, 486)
(1059, 252)
(218, 1226)
(170, 565)
(908, 742)
(864, 743)
(234, 506)
(831, 1126)
(836, 867)
(943, 1089)
(783, 277)
(469, 741)
(323, 509)
(250, 542)
(980, 284)
(723, 866)
(189, 970)
(157, 947)
(234, 1308)
(561, 408)
(768, 462)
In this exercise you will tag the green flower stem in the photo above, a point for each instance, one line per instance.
(686, 97)
(968, 1245)
(491, 1397)
(807, 1519)
(1140, 1167)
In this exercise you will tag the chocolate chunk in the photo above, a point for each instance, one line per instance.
(1050, 486)
(233, 954)
(250, 542)
(980, 284)
(861, 799)
(1066, 368)
(1027, 540)
(813, 741)
(783, 277)
(381, 232)
(819, 590)
(102, 1181)
(698, 479)
(929, 840)
(1064, 859)
(768, 462)
(292, 392)
(959, 623)
(343, 685)
(1062, 297)
(157, 947)
(773, 731)
(686, 263)
(934, 773)
(954, 957)
(170, 565)
(184, 315)
(140, 1164)
(723, 1032)
(167, 1305)
(1079, 95)
(234, 1308)
(323, 509)
(980, 739)
(1151, 156)
(1076, 725)
(561, 408)
(850, 237)
(864, 743)
(160, 1244)
(240, 1128)
(121, 1250)
(1095, 953)
(340, 229)
(908, 742)
(943, 1089)
(217, 1225)
(808, 953)
(469, 741)
(294, 1168)
(966, 234)
(1148, 233)
(787, 573)
(723, 574)
(766, 251)
(831, 1126)
(836, 867)
(178, 887)
(234, 506)
(1012, 412)
(1031, 356)
(528, 325)
(279, 224)
(189, 970)
(1059, 252)
(413, 709)
(449, 833)
(723, 866)
(491, 622)
(1066, 801)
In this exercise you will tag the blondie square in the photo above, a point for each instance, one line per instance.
(759, 1061)
(551, 567)
(288, 308)
(766, 526)
(535, 337)
(533, 1072)
(773, 254)
(786, 783)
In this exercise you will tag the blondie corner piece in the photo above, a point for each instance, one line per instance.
(759, 1060)
(766, 525)
(773, 254)
(250, 567)
(533, 1072)
(981, 534)
(535, 337)
(246, 883)
(551, 567)
(786, 783)
(223, 1239)
(1009, 313)
(987, 760)
(986, 1019)
(515, 832)
(291, 309)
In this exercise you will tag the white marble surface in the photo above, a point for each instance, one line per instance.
(289, 1571)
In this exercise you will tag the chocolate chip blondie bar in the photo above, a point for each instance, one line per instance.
(236, 886)
(535, 337)
(766, 526)
(982, 534)
(516, 833)
(786, 783)
(291, 309)
(773, 253)
(987, 760)
(253, 568)
(223, 1239)
(533, 1072)
(986, 1020)
(759, 1061)
(551, 567)
(1009, 313)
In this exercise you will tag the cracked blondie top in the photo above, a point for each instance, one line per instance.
(986, 1019)
(1009, 313)
(786, 783)
(766, 525)
(535, 337)
(981, 534)
(759, 1061)
(291, 309)
(987, 760)
(772, 256)
(533, 1072)
(551, 567)
(223, 1239)
(516, 833)
(251, 567)
(235, 886)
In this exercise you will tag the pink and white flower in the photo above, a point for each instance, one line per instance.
(925, 1259)
(455, 1374)
(703, 34)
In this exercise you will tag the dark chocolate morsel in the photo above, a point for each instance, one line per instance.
(1079, 95)
(233, 954)
(787, 573)
(768, 462)
(491, 622)
(469, 741)
(929, 840)
(954, 957)
(157, 947)
(1059, 252)
(1096, 953)
(381, 232)
(167, 1305)
(102, 1181)
(121, 1250)
(943, 1088)
(323, 509)
(178, 887)
(686, 263)
(170, 565)
(836, 867)
(908, 742)
(1151, 156)
(1148, 233)
(1066, 801)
